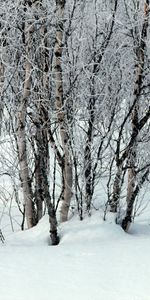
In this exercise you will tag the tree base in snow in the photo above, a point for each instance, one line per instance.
(2, 237)
(54, 238)
(126, 223)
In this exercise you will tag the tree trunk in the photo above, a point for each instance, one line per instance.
(89, 188)
(39, 199)
(128, 217)
(132, 157)
(1, 93)
(21, 134)
(44, 157)
(42, 123)
(62, 114)
(22, 148)
(140, 58)
(114, 202)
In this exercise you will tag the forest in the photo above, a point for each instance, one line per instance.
(74, 149)
(74, 109)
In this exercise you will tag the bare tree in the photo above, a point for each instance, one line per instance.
(62, 114)
(21, 126)
(129, 153)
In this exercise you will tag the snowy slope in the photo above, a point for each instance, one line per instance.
(95, 260)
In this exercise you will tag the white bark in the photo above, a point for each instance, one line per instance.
(61, 114)
(21, 137)
(1, 92)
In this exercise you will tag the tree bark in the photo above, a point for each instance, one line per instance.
(128, 217)
(62, 114)
(89, 184)
(21, 134)
(22, 148)
(140, 59)
(1, 92)
(116, 190)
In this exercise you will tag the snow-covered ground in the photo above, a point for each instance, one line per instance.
(95, 260)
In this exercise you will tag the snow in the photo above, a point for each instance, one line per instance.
(95, 260)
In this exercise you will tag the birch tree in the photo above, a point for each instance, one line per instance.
(21, 132)
(139, 62)
(61, 113)
(123, 161)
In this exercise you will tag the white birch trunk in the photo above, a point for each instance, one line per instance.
(21, 137)
(1, 92)
(61, 114)
(23, 162)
